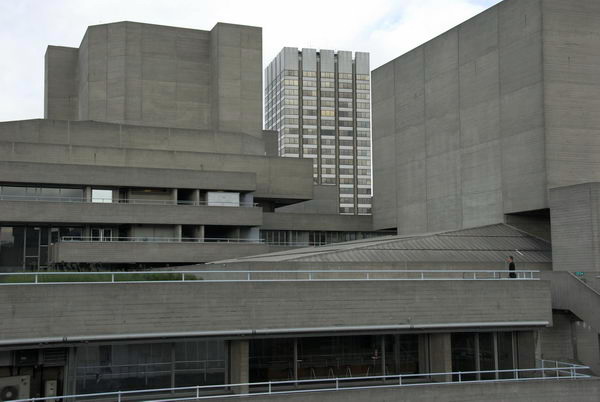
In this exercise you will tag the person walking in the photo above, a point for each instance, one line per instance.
(511, 267)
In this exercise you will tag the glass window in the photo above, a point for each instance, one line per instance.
(505, 353)
(12, 242)
(327, 357)
(486, 355)
(271, 359)
(463, 355)
(102, 196)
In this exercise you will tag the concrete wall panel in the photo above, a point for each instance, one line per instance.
(237, 306)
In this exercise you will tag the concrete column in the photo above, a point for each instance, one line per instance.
(440, 356)
(177, 232)
(525, 349)
(87, 194)
(423, 353)
(199, 234)
(196, 197)
(239, 367)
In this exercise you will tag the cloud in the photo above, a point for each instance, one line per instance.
(385, 28)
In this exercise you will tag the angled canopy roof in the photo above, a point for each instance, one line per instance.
(482, 244)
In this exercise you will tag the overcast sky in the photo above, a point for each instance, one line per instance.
(385, 28)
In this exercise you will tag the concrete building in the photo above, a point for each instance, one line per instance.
(151, 152)
(496, 121)
(428, 314)
(318, 102)
(478, 125)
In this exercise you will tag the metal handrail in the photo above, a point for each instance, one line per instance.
(49, 198)
(262, 276)
(145, 239)
(142, 239)
(569, 371)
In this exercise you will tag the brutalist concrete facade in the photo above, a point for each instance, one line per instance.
(483, 120)
(161, 119)
(154, 75)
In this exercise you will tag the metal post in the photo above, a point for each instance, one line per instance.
(459, 377)
(248, 275)
(112, 278)
(337, 385)
(197, 391)
(557, 369)
(543, 371)
(400, 379)
(119, 396)
(310, 276)
(182, 277)
(269, 387)
(367, 276)
(36, 278)
(422, 275)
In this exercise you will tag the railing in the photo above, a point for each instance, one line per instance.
(141, 239)
(558, 371)
(193, 240)
(46, 198)
(30, 278)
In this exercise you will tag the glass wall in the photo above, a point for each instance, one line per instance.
(482, 352)
(339, 356)
(333, 356)
(26, 247)
(313, 238)
(107, 368)
(271, 359)
(405, 352)
(31, 193)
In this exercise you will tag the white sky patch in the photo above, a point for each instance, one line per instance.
(385, 28)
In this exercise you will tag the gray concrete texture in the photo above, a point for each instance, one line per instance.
(470, 125)
(156, 75)
(318, 221)
(34, 311)
(570, 340)
(281, 178)
(575, 227)
(124, 213)
(93, 133)
(572, 294)
(525, 391)
(325, 200)
(115, 252)
(93, 175)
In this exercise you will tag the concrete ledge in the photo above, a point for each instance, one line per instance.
(584, 390)
(94, 175)
(151, 252)
(142, 310)
(307, 221)
(77, 212)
